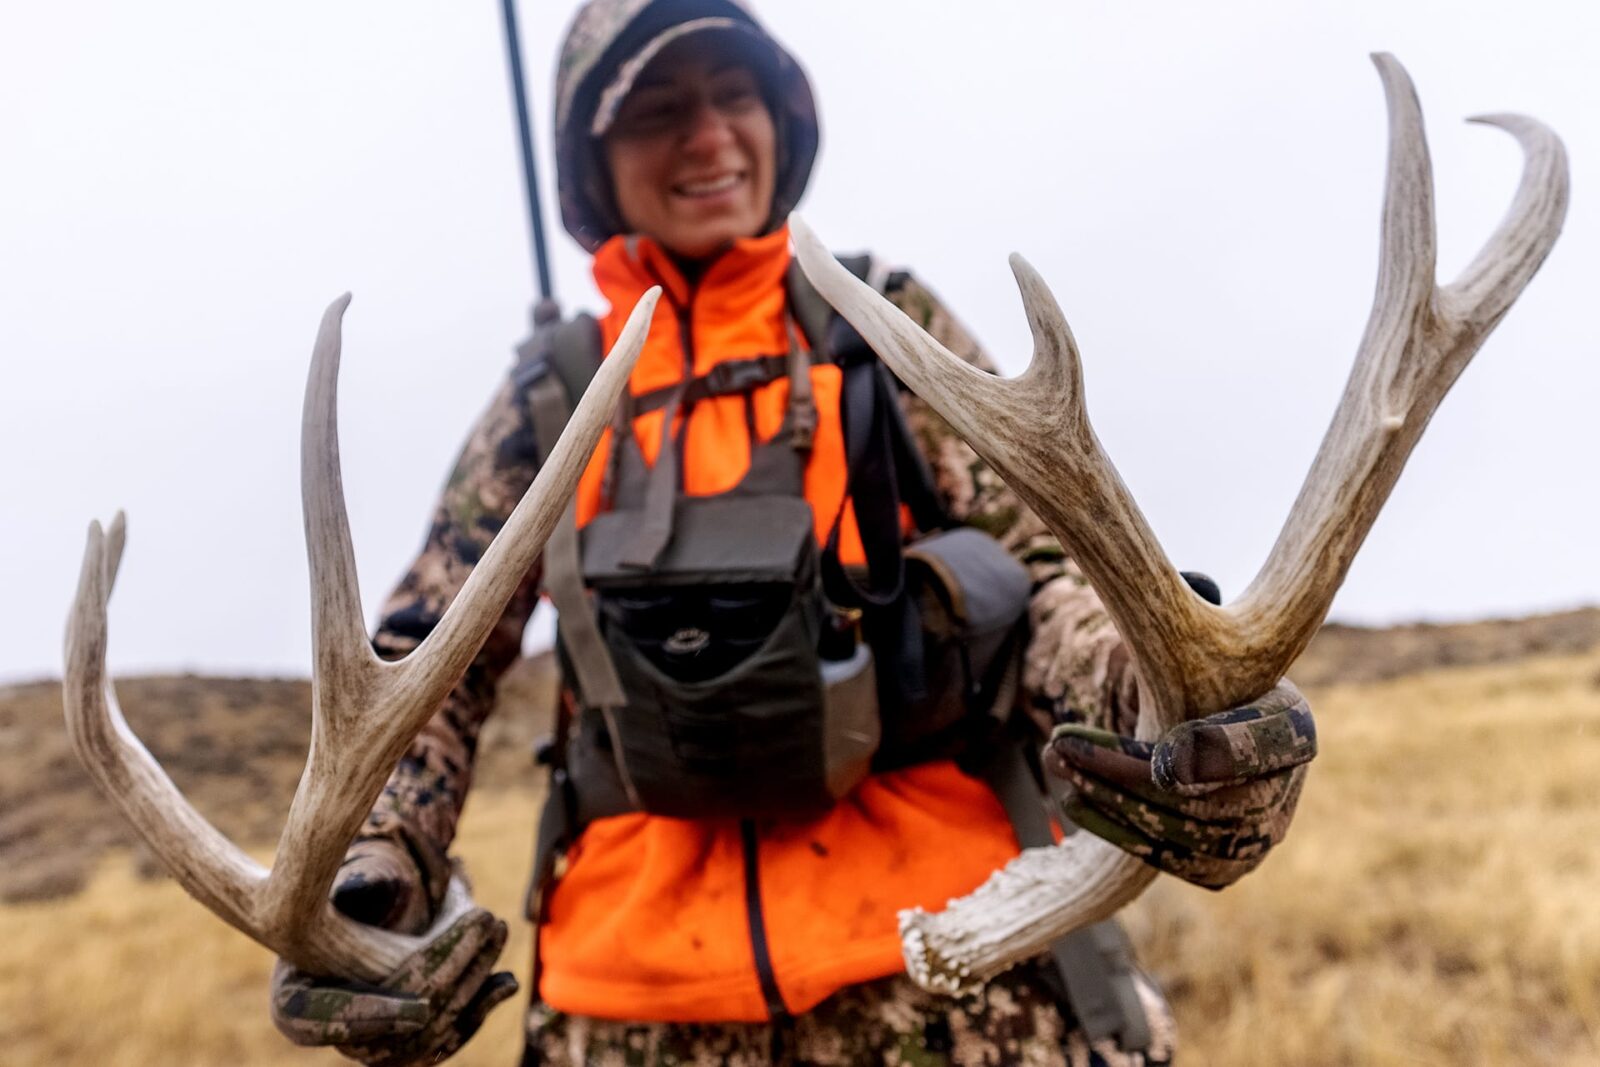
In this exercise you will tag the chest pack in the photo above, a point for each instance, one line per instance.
(720, 662)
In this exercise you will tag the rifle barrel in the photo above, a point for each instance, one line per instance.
(530, 173)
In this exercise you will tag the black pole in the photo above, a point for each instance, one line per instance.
(530, 174)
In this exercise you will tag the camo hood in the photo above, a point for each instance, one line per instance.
(606, 47)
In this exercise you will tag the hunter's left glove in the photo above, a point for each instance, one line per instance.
(1207, 801)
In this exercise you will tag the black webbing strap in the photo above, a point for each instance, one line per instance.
(872, 479)
(728, 377)
(557, 828)
(802, 402)
(884, 470)
(884, 466)
(1095, 963)
(847, 348)
(916, 479)
(892, 623)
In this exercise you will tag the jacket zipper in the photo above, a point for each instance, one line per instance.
(776, 1008)
(685, 314)
(755, 918)
(686, 336)
(685, 342)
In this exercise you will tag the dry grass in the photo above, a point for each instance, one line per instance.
(1433, 906)
(132, 973)
(1435, 903)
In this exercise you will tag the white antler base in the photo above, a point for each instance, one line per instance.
(1041, 895)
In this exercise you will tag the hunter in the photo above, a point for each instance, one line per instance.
(810, 645)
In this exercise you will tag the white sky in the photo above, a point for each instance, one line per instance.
(187, 184)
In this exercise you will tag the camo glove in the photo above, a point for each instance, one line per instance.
(1207, 801)
(422, 1013)
(433, 1002)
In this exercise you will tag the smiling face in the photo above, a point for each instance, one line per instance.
(693, 149)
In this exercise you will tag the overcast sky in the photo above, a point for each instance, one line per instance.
(187, 184)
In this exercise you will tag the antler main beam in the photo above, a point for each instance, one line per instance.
(1193, 658)
(364, 711)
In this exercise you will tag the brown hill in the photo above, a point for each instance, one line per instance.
(236, 746)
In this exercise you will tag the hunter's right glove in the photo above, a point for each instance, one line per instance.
(432, 1003)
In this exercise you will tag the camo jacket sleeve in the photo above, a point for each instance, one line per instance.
(423, 798)
(1076, 663)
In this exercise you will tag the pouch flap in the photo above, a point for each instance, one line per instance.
(714, 539)
(985, 588)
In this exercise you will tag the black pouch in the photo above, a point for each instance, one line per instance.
(971, 599)
(728, 712)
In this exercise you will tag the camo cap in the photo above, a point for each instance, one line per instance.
(609, 43)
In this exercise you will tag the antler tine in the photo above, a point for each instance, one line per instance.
(1490, 284)
(444, 655)
(1076, 489)
(365, 711)
(1034, 430)
(929, 368)
(364, 721)
(1419, 338)
(348, 685)
(210, 866)
(1358, 461)
(344, 662)
(116, 538)
(1408, 232)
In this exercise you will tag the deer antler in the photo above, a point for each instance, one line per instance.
(1193, 658)
(364, 711)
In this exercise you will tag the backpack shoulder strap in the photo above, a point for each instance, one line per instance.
(813, 312)
(552, 371)
(575, 354)
(885, 466)
(866, 376)
(570, 350)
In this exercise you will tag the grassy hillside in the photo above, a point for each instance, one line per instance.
(1434, 904)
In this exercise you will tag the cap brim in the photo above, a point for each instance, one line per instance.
(613, 95)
